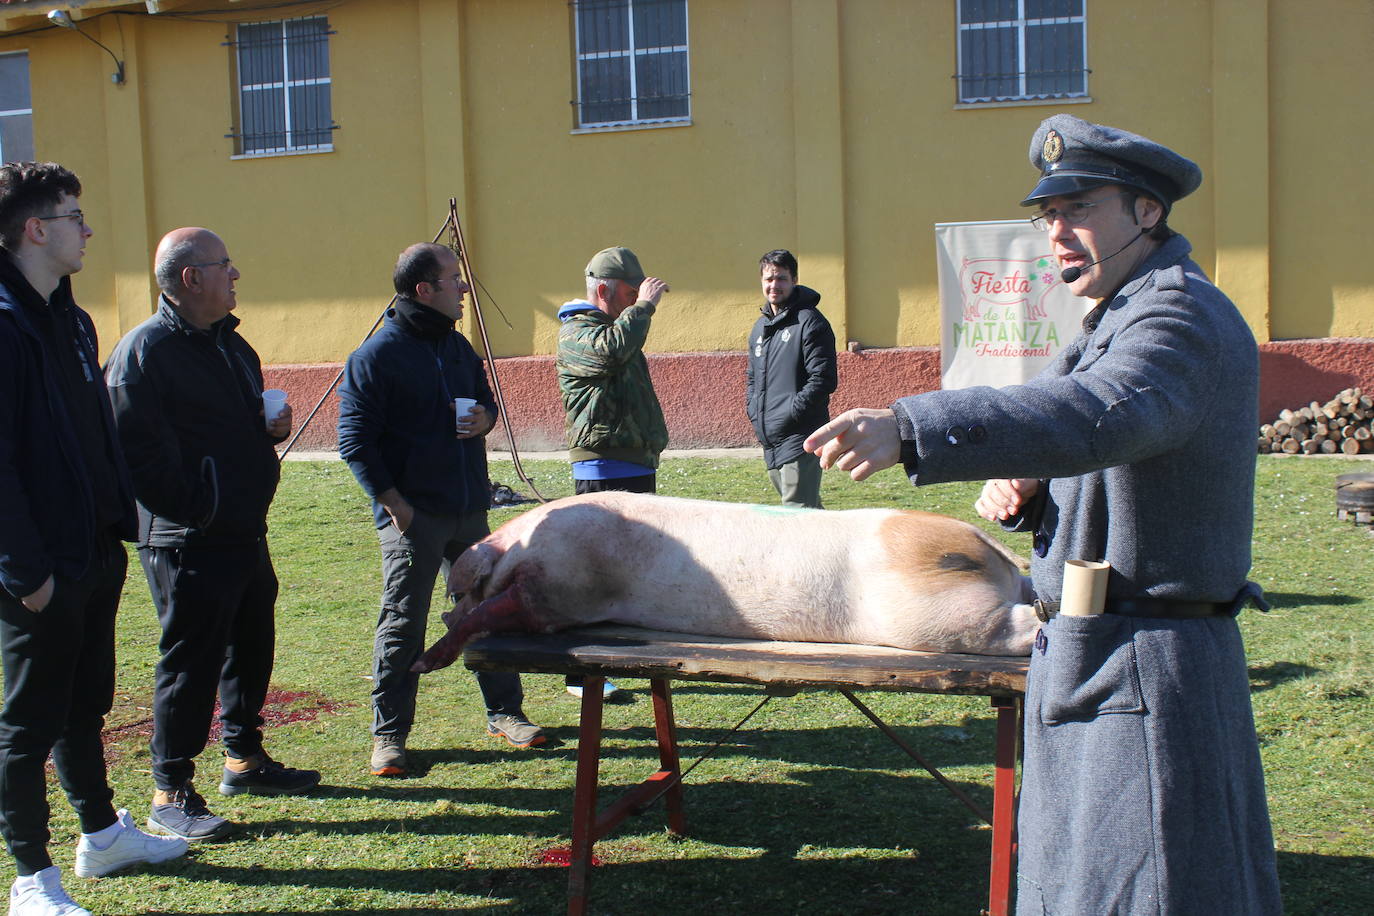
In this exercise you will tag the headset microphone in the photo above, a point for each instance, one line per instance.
(1070, 274)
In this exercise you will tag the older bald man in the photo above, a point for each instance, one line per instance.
(187, 396)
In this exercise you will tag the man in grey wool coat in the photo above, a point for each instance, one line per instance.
(1142, 790)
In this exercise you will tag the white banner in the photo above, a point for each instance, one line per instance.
(1004, 312)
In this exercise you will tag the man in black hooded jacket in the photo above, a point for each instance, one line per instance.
(789, 378)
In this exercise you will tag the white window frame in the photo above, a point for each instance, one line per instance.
(18, 112)
(634, 121)
(284, 86)
(1020, 24)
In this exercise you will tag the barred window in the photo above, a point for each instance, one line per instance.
(16, 112)
(283, 86)
(632, 63)
(1022, 49)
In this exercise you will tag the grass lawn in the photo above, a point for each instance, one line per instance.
(807, 809)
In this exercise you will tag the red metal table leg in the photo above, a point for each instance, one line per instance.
(666, 730)
(1004, 805)
(584, 795)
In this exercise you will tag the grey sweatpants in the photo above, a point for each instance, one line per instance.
(1142, 791)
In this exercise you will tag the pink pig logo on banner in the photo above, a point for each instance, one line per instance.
(1004, 312)
(991, 284)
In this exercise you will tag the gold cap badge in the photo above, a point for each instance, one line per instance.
(1053, 148)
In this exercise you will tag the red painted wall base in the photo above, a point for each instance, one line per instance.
(703, 393)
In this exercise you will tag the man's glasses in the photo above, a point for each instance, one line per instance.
(224, 262)
(1075, 214)
(74, 215)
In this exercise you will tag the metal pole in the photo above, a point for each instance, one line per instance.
(462, 251)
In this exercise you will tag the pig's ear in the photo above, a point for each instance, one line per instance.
(483, 562)
(486, 561)
(487, 554)
(471, 573)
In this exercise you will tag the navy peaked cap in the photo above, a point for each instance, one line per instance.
(1075, 155)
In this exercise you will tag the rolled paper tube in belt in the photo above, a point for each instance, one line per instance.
(1085, 588)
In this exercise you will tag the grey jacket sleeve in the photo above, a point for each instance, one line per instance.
(1139, 388)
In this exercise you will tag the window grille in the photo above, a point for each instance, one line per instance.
(16, 111)
(283, 86)
(1022, 49)
(632, 65)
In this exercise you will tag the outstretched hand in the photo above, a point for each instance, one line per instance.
(861, 441)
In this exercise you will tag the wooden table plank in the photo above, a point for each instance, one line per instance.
(619, 651)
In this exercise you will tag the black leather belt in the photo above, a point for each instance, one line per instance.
(1148, 607)
(1163, 607)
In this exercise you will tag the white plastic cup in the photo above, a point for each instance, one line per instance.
(273, 403)
(461, 408)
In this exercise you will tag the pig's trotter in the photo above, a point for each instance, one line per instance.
(502, 613)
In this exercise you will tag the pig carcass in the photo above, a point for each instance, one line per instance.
(911, 580)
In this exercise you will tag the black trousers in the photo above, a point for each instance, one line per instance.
(59, 684)
(216, 606)
(644, 483)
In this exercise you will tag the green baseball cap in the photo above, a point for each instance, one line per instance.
(616, 264)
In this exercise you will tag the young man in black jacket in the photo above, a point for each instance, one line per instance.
(187, 395)
(66, 505)
(789, 378)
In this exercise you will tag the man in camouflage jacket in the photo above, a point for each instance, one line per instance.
(615, 425)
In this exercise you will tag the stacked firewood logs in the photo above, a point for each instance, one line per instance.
(1343, 425)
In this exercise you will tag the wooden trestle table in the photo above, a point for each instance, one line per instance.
(782, 668)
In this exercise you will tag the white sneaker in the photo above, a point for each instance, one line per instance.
(608, 690)
(131, 846)
(41, 894)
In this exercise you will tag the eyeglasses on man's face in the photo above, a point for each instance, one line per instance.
(223, 262)
(1075, 213)
(76, 215)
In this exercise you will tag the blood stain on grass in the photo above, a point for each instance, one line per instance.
(282, 707)
(287, 707)
(561, 856)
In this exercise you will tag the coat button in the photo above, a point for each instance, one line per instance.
(955, 436)
(977, 435)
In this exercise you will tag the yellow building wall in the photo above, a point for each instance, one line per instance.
(698, 204)
(1322, 73)
(821, 126)
(915, 160)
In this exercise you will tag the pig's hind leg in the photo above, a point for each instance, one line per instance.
(506, 612)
